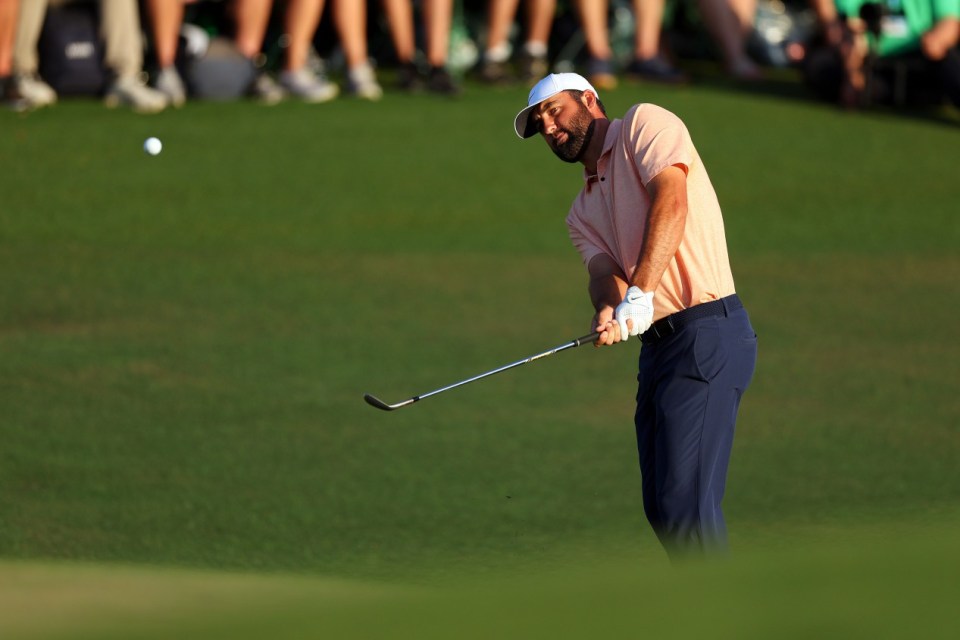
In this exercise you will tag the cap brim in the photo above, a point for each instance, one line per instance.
(522, 124)
(544, 90)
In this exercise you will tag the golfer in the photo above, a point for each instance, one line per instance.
(649, 229)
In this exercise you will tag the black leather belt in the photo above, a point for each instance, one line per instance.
(673, 323)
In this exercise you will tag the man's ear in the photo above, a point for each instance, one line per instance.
(588, 98)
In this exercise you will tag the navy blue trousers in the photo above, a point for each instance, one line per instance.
(690, 385)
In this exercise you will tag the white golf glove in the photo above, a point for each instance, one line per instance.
(638, 307)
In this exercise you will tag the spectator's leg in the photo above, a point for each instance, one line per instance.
(729, 22)
(853, 52)
(500, 17)
(437, 17)
(123, 55)
(402, 33)
(25, 62)
(538, 20)
(648, 63)
(300, 21)
(350, 19)
(595, 24)
(8, 33)
(746, 12)
(251, 18)
(29, 25)
(496, 54)
(649, 17)
(950, 75)
(400, 21)
(166, 18)
(120, 31)
(9, 91)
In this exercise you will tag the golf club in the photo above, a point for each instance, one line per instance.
(380, 404)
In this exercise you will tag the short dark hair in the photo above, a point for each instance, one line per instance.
(576, 93)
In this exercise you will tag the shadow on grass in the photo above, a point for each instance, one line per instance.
(788, 84)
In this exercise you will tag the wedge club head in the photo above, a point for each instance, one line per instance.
(373, 401)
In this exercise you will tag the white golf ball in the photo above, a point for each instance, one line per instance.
(152, 146)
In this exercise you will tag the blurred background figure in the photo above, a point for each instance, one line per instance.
(302, 75)
(894, 52)
(9, 92)
(648, 61)
(437, 16)
(532, 61)
(595, 22)
(730, 23)
(350, 20)
(123, 56)
(165, 19)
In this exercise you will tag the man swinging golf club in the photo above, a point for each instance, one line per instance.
(649, 229)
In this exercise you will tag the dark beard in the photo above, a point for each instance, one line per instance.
(578, 137)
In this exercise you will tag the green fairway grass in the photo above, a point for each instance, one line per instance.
(185, 341)
(852, 587)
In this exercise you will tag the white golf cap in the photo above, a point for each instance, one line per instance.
(547, 88)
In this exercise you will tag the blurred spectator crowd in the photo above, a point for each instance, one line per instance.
(149, 55)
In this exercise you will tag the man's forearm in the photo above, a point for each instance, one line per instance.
(606, 291)
(608, 284)
(663, 235)
(659, 247)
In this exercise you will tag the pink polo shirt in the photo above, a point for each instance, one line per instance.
(610, 213)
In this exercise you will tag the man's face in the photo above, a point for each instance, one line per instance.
(566, 124)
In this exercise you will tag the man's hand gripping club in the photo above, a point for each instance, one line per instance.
(635, 313)
(631, 317)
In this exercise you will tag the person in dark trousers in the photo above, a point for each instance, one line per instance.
(648, 226)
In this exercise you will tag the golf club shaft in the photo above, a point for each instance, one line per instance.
(568, 345)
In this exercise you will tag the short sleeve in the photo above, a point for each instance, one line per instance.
(659, 139)
(585, 242)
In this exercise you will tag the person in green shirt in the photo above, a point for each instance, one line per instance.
(927, 31)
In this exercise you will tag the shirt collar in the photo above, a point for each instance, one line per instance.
(613, 132)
